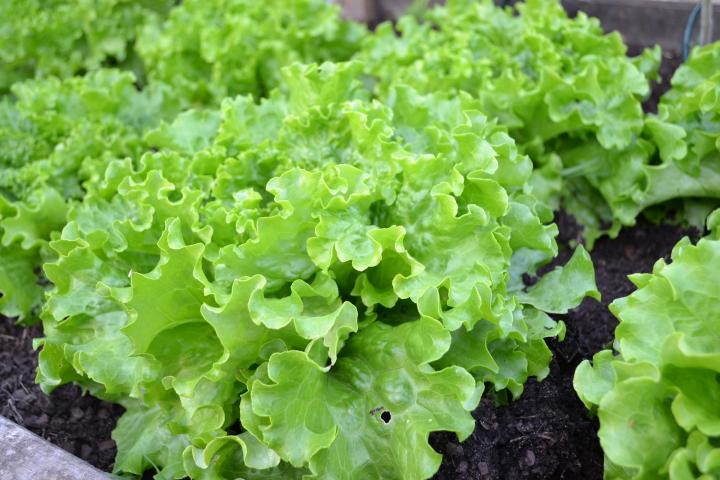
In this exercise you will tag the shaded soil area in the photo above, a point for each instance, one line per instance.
(548, 433)
(79, 423)
(669, 62)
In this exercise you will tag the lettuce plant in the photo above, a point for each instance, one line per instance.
(211, 49)
(560, 86)
(57, 134)
(657, 395)
(686, 132)
(43, 38)
(675, 158)
(306, 286)
(571, 98)
(304, 280)
(54, 136)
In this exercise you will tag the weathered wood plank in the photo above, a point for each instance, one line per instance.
(25, 456)
(391, 9)
(641, 22)
(361, 10)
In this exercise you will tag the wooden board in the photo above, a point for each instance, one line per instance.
(641, 22)
(25, 456)
(644, 22)
(361, 10)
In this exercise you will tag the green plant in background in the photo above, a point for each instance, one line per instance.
(690, 158)
(572, 100)
(657, 395)
(56, 135)
(43, 38)
(561, 87)
(315, 236)
(676, 158)
(209, 50)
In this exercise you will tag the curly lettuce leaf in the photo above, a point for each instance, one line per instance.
(209, 50)
(657, 396)
(62, 39)
(368, 415)
(564, 288)
(316, 232)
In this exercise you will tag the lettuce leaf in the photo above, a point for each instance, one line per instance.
(657, 395)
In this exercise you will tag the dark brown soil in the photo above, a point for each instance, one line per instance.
(78, 423)
(670, 61)
(548, 433)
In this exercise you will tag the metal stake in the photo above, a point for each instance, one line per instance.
(706, 23)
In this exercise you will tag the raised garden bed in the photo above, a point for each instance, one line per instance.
(546, 434)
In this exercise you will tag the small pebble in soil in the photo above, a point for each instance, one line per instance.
(529, 458)
(20, 395)
(456, 450)
(42, 420)
(85, 451)
(630, 252)
(106, 445)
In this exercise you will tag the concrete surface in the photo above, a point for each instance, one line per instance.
(25, 456)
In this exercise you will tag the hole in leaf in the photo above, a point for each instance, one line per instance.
(386, 416)
(529, 280)
(175, 196)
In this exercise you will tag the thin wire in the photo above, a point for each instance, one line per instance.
(689, 27)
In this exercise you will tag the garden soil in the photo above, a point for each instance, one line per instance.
(79, 423)
(546, 434)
